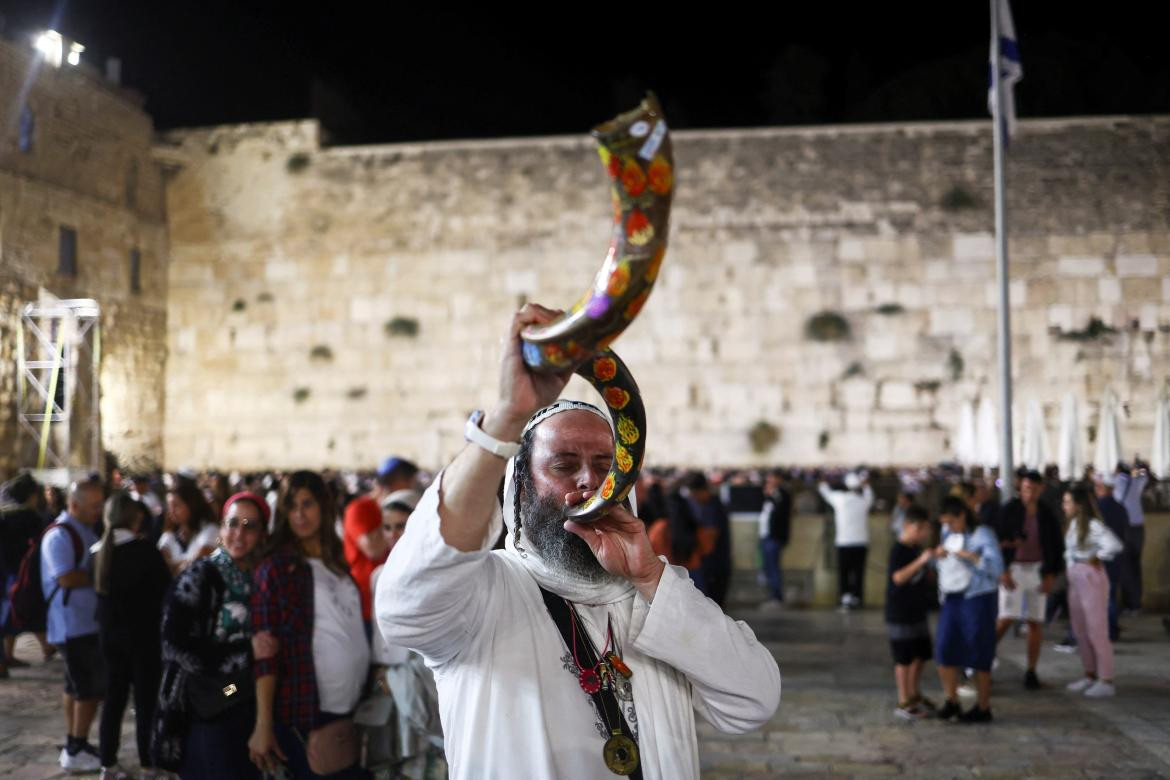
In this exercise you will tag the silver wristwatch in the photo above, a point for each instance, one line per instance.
(474, 433)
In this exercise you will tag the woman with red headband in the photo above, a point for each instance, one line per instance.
(207, 697)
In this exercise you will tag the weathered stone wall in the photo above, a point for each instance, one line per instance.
(290, 264)
(90, 168)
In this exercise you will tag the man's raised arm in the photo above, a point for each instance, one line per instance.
(468, 492)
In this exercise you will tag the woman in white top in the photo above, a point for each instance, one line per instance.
(304, 598)
(191, 526)
(1087, 544)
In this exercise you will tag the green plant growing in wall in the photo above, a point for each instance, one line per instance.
(301, 394)
(321, 352)
(1094, 331)
(854, 369)
(239, 305)
(927, 386)
(823, 440)
(959, 198)
(827, 326)
(890, 309)
(298, 162)
(355, 393)
(955, 365)
(402, 326)
(763, 436)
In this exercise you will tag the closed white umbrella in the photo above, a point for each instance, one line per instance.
(1034, 453)
(986, 435)
(1108, 449)
(1160, 451)
(1070, 456)
(965, 452)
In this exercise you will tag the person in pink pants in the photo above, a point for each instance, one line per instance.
(1087, 545)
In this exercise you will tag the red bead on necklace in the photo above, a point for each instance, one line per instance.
(589, 678)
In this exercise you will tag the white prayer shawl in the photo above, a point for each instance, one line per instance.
(509, 706)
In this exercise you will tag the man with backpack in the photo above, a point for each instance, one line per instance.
(67, 584)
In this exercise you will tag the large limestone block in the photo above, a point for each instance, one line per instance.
(952, 322)
(1137, 265)
(1109, 290)
(898, 395)
(1081, 265)
(975, 246)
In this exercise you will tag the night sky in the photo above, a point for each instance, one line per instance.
(394, 71)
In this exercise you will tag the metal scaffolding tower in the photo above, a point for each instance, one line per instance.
(58, 360)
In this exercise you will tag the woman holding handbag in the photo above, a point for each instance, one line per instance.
(206, 701)
(304, 598)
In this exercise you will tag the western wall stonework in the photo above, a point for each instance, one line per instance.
(328, 306)
(88, 164)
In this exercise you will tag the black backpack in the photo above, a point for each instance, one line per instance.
(30, 608)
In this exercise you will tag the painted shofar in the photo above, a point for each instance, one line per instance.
(635, 149)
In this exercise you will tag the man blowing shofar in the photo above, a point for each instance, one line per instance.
(574, 652)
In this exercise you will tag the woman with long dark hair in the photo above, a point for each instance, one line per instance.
(206, 702)
(131, 578)
(1088, 543)
(191, 529)
(305, 598)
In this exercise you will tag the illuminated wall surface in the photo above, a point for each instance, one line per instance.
(298, 275)
(76, 154)
(328, 306)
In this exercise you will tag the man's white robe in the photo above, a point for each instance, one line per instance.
(511, 709)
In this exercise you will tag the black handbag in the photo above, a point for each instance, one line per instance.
(212, 695)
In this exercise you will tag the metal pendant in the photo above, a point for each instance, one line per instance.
(621, 754)
(590, 681)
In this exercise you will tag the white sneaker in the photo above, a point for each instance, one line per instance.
(1081, 684)
(80, 763)
(1100, 690)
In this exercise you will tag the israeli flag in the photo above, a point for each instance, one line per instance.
(1010, 69)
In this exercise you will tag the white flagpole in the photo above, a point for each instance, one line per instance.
(1006, 467)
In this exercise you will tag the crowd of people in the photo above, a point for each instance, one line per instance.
(239, 608)
(994, 565)
(236, 610)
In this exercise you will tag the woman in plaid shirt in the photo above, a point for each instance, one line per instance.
(304, 597)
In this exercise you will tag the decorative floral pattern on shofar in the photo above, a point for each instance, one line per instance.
(624, 693)
(637, 154)
(612, 380)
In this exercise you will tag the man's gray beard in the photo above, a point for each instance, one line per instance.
(543, 518)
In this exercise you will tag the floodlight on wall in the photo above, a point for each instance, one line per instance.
(56, 49)
(51, 46)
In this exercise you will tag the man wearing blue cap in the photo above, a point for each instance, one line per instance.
(394, 473)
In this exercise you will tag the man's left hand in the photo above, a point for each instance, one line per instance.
(1046, 584)
(621, 546)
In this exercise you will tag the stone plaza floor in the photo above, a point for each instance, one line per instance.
(836, 714)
